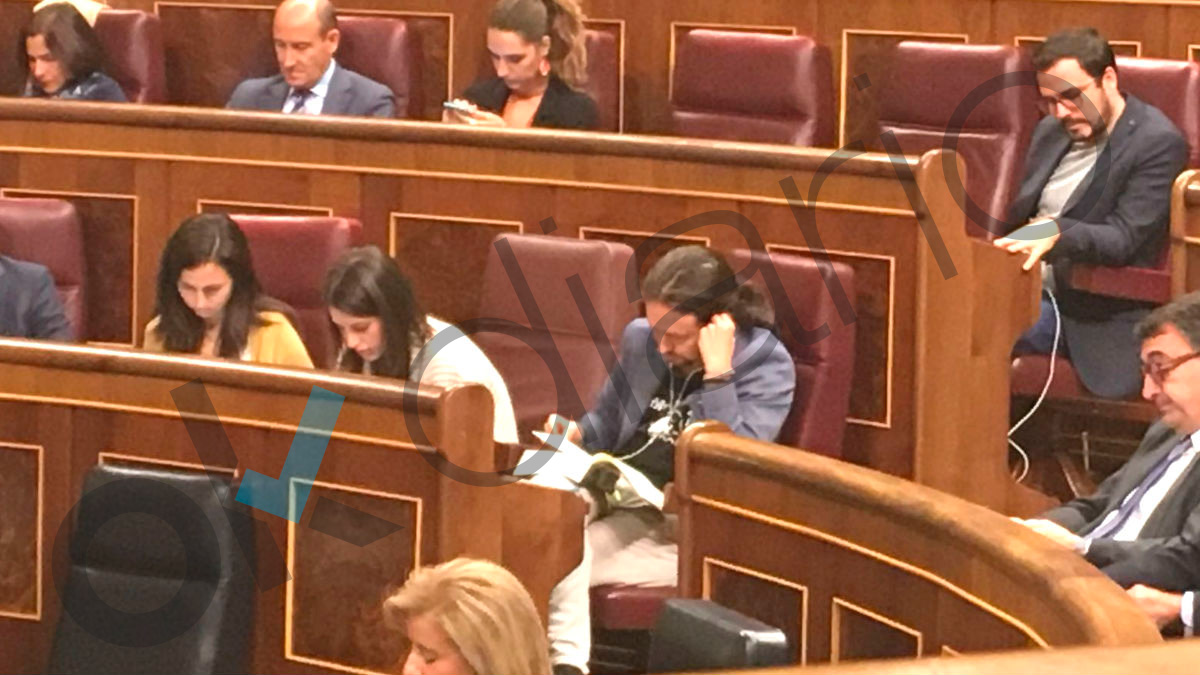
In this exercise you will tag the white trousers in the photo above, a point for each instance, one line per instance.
(629, 546)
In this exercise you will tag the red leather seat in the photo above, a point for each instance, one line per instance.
(49, 232)
(133, 45)
(934, 84)
(1171, 86)
(753, 87)
(604, 78)
(387, 51)
(825, 368)
(291, 255)
(547, 263)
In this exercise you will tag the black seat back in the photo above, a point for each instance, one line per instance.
(157, 582)
(694, 634)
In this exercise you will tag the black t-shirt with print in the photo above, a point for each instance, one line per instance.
(664, 419)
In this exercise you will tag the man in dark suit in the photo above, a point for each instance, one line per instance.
(29, 305)
(1142, 525)
(310, 81)
(1097, 190)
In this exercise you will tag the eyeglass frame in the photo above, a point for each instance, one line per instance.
(1049, 103)
(1158, 371)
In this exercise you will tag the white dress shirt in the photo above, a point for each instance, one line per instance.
(316, 96)
(1153, 496)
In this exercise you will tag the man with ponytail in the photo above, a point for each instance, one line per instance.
(537, 49)
(706, 350)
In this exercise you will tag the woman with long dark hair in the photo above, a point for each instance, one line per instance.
(62, 58)
(538, 53)
(209, 301)
(384, 332)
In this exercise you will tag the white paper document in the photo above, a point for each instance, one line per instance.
(567, 466)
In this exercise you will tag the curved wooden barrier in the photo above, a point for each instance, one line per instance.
(65, 408)
(854, 564)
(932, 304)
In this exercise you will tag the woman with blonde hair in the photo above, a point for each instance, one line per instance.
(540, 58)
(470, 617)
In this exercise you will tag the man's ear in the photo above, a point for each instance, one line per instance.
(335, 37)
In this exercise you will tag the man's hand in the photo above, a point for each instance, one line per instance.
(1161, 606)
(1052, 531)
(716, 345)
(557, 424)
(1034, 240)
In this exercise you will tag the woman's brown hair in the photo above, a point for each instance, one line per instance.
(560, 20)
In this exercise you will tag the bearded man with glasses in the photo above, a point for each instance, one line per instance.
(1142, 526)
(1096, 190)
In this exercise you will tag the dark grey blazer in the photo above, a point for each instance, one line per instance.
(1165, 554)
(1118, 216)
(349, 94)
(29, 304)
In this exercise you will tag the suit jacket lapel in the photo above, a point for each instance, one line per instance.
(1136, 471)
(275, 95)
(1056, 147)
(1174, 504)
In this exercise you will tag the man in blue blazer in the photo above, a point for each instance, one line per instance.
(706, 350)
(310, 81)
(29, 304)
(1097, 190)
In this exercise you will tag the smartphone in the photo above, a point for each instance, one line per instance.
(459, 106)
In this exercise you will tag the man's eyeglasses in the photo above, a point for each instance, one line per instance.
(1072, 97)
(1158, 370)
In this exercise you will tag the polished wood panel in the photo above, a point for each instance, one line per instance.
(886, 568)
(435, 195)
(85, 405)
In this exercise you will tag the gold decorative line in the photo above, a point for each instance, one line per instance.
(40, 451)
(745, 28)
(1194, 241)
(142, 459)
(289, 601)
(201, 203)
(1022, 40)
(483, 178)
(846, 33)
(835, 651)
(710, 562)
(1191, 51)
(393, 216)
(707, 241)
(949, 651)
(876, 555)
(891, 326)
(133, 262)
(237, 421)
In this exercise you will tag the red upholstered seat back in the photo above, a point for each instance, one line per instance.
(388, 51)
(753, 87)
(1171, 86)
(291, 255)
(49, 232)
(546, 264)
(133, 47)
(935, 87)
(604, 78)
(825, 367)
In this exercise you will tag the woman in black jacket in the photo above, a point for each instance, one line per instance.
(537, 49)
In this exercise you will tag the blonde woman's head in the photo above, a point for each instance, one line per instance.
(470, 617)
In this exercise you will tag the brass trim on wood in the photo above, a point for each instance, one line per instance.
(706, 593)
(836, 627)
(316, 210)
(289, 595)
(40, 515)
(103, 457)
(891, 326)
(921, 572)
(393, 216)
